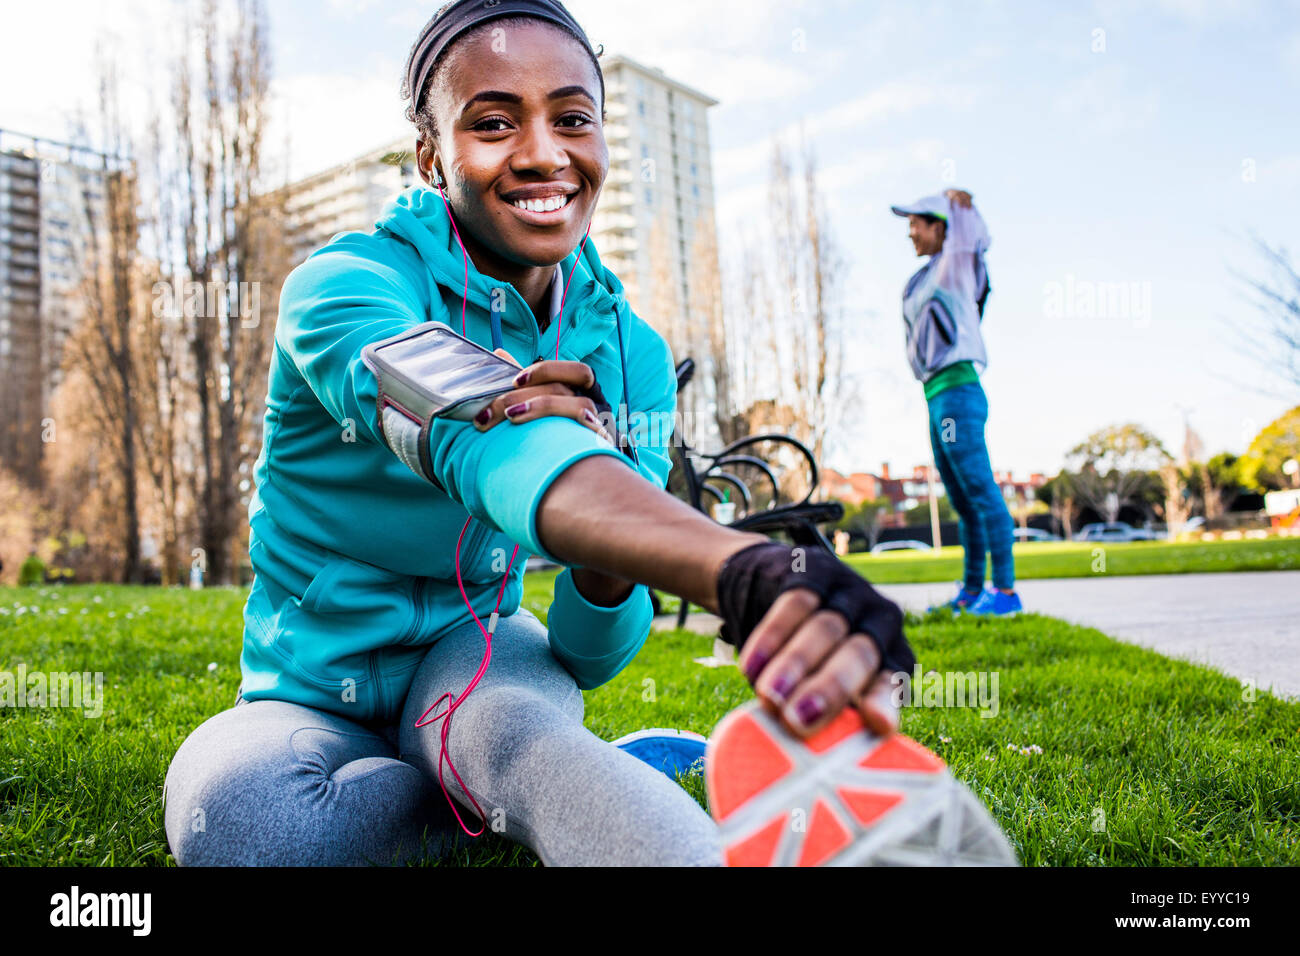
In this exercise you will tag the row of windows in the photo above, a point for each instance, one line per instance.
(650, 194)
(644, 133)
(643, 88)
(692, 167)
(18, 164)
(23, 235)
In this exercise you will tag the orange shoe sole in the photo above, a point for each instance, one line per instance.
(844, 797)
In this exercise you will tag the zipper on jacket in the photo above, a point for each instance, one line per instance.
(378, 686)
(417, 599)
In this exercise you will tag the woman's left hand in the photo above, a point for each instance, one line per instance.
(550, 387)
(960, 196)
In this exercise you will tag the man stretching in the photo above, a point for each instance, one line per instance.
(943, 305)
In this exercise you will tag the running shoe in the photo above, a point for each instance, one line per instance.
(997, 604)
(673, 752)
(961, 602)
(844, 797)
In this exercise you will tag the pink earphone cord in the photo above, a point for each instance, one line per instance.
(488, 631)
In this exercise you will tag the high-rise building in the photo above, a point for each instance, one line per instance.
(347, 197)
(658, 196)
(51, 211)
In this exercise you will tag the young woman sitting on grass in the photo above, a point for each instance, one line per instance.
(357, 623)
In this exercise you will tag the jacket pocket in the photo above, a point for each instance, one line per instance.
(347, 586)
(349, 610)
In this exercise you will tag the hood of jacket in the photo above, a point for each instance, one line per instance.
(593, 304)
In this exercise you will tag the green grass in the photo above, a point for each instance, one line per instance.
(1077, 559)
(1185, 771)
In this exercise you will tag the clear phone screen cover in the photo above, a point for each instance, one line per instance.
(448, 367)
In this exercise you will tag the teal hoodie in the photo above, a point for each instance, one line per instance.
(353, 554)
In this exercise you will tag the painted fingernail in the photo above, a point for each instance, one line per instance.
(521, 378)
(514, 410)
(810, 709)
(756, 665)
(783, 684)
(484, 416)
(590, 416)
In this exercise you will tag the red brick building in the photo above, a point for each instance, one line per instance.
(911, 489)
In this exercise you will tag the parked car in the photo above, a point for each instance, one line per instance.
(900, 546)
(1035, 534)
(1113, 531)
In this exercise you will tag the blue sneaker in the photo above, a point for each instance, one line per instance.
(997, 604)
(962, 602)
(673, 752)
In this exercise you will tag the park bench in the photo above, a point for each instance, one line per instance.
(770, 478)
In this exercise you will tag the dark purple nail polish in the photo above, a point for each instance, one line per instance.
(783, 684)
(521, 378)
(514, 410)
(756, 665)
(484, 416)
(810, 709)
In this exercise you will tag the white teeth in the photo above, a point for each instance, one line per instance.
(542, 205)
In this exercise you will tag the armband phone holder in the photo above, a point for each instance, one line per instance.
(429, 372)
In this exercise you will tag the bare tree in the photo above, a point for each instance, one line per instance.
(103, 348)
(232, 246)
(1178, 506)
(786, 323)
(705, 318)
(163, 397)
(748, 329)
(1277, 298)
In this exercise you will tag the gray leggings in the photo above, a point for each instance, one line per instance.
(273, 783)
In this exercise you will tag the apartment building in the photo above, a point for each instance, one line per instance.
(51, 211)
(347, 197)
(658, 196)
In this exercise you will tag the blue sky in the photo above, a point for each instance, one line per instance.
(1148, 162)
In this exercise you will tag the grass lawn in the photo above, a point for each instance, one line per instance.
(1078, 559)
(1144, 760)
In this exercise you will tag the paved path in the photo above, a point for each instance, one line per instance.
(1245, 623)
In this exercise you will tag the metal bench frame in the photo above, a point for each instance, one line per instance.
(798, 520)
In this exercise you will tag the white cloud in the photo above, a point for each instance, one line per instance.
(333, 117)
(58, 78)
(739, 162)
(1103, 102)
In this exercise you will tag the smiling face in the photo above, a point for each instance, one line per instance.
(520, 147)
(926, 234)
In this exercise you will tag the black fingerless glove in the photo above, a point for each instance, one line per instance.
(752, 579)
(606, 414)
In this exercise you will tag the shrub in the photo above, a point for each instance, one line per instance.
(32, 571)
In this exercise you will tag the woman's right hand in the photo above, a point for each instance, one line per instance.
(815, 636)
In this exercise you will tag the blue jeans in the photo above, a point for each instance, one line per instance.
(957, 419)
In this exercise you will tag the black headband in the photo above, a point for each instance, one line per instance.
(464, 15)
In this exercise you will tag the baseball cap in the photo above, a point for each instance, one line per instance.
(925, 206)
